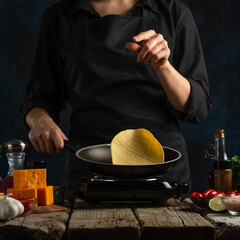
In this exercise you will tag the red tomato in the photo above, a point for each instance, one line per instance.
(196, 194)
(193, 194)
(205, 194)
(232, 193)
(219, 193)
(212, 193)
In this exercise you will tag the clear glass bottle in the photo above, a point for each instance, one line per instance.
(220, 178)
(15, 162)
(15, 157)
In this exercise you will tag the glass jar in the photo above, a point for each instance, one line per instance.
(15, 162)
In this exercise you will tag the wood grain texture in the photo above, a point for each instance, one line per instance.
(43, 226)
(108, 222)
(227, 226)
(174, 220)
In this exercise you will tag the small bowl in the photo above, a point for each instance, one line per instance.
(201, 201)
(232, 204)
(29, 204)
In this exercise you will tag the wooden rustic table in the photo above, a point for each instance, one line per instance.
(135, 221)
(41, 226)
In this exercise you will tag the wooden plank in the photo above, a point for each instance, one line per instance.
(174, 220)
(42, 226)
(109, 221)
(227, 226)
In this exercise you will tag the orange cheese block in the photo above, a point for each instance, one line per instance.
(22, 193)
(29, 178)
(45, 196)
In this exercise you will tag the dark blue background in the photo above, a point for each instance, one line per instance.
(218, 25)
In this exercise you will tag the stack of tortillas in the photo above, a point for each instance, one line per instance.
(136, 147)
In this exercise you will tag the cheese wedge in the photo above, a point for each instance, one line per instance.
(45, 196)
(22, 193)
(29, 178)
(136, 147)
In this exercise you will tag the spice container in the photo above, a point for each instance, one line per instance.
(220, 178)
(15, 156)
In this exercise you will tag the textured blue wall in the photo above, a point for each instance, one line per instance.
(217, 22)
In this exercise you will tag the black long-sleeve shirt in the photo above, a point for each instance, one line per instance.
(49, 86)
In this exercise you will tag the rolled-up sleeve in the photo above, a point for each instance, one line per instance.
(45, 87)
(189, 61)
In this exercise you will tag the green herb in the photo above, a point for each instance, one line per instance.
(58, 193)
(236, 172)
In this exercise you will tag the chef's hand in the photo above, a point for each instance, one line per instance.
(45, 135)
(153, 51)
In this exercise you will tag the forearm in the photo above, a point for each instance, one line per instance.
(175, 86)
(155, 51)
(34, 116)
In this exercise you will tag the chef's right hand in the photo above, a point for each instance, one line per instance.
(45, 135)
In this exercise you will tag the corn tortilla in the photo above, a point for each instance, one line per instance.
(136, 147)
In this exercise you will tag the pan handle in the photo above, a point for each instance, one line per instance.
(71, 146)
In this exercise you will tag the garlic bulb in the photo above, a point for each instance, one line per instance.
(10, 207)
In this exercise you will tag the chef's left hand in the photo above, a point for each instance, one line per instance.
(153, 51)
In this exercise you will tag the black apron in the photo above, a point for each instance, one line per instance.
(114, 91)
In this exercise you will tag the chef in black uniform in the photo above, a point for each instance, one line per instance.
(120, 64)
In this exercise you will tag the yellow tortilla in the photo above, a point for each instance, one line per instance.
(136, 147)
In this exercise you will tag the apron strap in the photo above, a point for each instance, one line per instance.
(144, 12)
(141, 11)
(147, 13)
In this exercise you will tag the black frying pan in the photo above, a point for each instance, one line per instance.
(97, 159)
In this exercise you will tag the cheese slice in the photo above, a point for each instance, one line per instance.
(22, 193)
(29, 178)
(136, 147)
(45, 196)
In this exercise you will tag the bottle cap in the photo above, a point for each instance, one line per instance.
(220, 133)
(15, 145)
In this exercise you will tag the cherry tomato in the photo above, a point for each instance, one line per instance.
(206, 193)
(232, 193)
(196, 194)
(219, 193)
(212, 193)
(193, 194)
